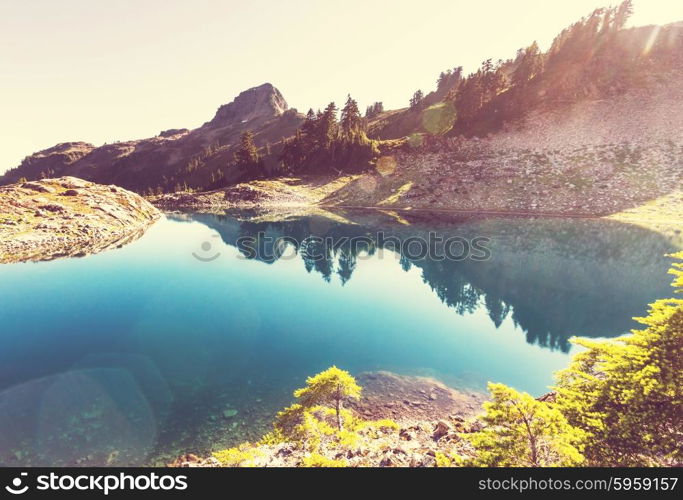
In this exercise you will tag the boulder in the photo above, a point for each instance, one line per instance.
(35, 186)
(441, 429)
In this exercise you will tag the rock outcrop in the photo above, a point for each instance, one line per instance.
(68, 217)
(262, 102)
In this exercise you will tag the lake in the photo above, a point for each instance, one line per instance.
(192, 337)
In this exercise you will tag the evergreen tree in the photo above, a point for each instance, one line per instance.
(448, 79)
(492, 81)
(351, 122)
(469, 98)
(321, 143)
(441, 81)
(374, 110)
(416, 100)
(310, 124)
(530, 64)
(627, 394)
(247, 155)
(293, 154)
(331, 386)
(328, 127)
(521, 431)
(622, 14)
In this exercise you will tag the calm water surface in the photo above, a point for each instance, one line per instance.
(136, 355)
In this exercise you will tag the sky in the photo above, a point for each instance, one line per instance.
(106, 71)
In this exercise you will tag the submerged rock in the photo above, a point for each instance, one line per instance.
(402, 397)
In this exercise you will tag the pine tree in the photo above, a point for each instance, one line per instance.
(374, 110)
(622, 14)
(448, 79)
(443, 78)
(291, 156)
(351, 123)
(627, 393)
(521, 431)
(310, 123)
(331, 386)
(530, 64)
(246, 155)
(310, 134)
(416, 100)
(328, 127)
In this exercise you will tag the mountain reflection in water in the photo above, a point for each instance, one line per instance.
(556, 278)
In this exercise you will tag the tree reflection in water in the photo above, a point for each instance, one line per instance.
(555, 277)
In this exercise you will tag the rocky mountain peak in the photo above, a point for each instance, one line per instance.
(264, 101)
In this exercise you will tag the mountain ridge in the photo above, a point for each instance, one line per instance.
(174, 157)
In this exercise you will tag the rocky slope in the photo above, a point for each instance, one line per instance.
(44, 220)
(176, 157)
(586, 181)
(411, 444)
(594, 157)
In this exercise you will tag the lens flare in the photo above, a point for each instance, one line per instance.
(415, 140)
(438, 119)
(386, 165)
(368, 184)
(651, 40)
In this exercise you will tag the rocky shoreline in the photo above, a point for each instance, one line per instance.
(283, 192)
(429, 414)
(477, 176)
(68, 217)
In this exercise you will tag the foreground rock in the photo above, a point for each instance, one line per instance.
(413, 444)
(68, 217)
(431, 418)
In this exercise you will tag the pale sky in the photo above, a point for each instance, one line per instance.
(105, 71)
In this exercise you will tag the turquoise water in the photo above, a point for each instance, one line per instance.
(136, 355)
